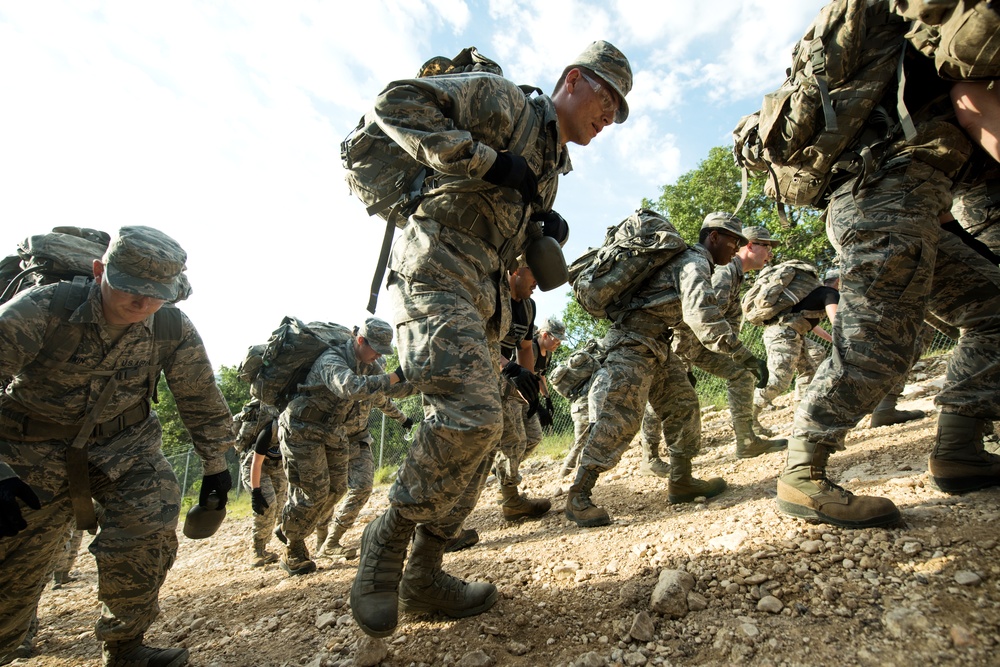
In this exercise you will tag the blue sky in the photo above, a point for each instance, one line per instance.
(220, 123)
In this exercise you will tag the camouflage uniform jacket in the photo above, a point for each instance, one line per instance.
(340, 390)
(455, 125)
(727, 281)
(680, 293)
(64, 393)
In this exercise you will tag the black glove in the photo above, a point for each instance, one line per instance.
(11, 521)
(544, 414)
(512, 171)
(408, 424)
(548, 405)
(553, 225)
(693, 379)
(399, 374)
(759, 369)
(525, 382)
(257, 501)
(219, 483)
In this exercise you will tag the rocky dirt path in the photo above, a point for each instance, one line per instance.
(759, 588)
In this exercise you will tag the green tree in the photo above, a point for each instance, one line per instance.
(716, 185)
(175, 437)
(234, 390)
(580, 326)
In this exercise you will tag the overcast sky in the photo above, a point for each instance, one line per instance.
(220, 123)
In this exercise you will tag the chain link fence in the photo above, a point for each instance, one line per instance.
(390, 444)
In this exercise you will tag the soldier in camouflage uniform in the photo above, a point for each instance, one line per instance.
(641, 367)
(80, 362)
(790, 352)
(586, 388)
(315, 428)
(898, 262)
(258, 434)
(727, 281)
(517, 356)
(360, 476)
(547, 339)
(451, 305)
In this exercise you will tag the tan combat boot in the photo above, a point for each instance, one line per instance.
(805, 492)
(425, 587)
(652, 465)
(375, 591)
(132, 653)
(468, 537)
(261, 556)
(683, 488)
(959, 463)
(333, 549)
(517, 507)
(579, 508)
(755, 416)
(322, 531)
(749, 445)
(296, 560)
(886, 414)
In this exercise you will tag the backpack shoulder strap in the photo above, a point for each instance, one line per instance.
(68, 296)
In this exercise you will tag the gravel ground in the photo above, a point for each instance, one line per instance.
(751, 586)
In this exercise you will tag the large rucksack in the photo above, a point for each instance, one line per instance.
(42, 259)
(275, 369)
(387, 179)
(571, 377)
(777, 289)
(962, 36)
(824, 123)
(605, 278)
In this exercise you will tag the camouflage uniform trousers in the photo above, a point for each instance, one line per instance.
(74, 540)
(896, 264)
(521, 436)
(974, 208)
(739, 390)
(315, 458)
(274, 486)
(448, 341)
(637, 377)
(134, 548)
(360, 480)
(789, 353)
(580, 414)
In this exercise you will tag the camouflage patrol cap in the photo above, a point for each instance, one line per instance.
(378, 333)
(553, 327)
(726, 222)
(145, 261)
(606, 61)
(759, 234)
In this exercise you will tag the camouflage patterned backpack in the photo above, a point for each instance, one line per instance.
(571, 377)
(387, 179)
(777, 289)
(42, 259)
(275, 369)
(824, 123)
(604, 279)
(962, 36)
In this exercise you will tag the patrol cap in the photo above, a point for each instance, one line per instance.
(553, 327)
(726, 222)
(378, 333)
(145, 261)
(606, 61)
(759, 234)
